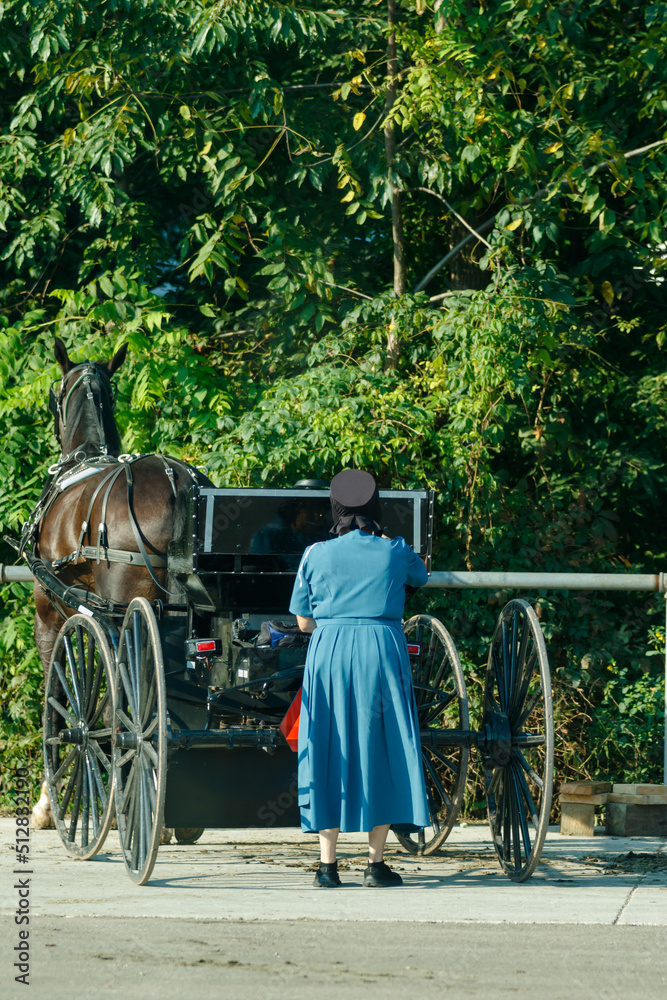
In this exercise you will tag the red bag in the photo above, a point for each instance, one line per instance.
(289, 727)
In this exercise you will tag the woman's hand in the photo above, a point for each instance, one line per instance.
(306, 624)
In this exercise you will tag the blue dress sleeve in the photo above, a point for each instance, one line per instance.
(301, 603)
(416, 574)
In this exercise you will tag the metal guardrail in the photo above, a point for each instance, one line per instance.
(15, 574)
(651, 582)
(656, 582)
(550, 581)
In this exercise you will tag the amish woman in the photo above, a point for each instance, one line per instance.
(359, 750)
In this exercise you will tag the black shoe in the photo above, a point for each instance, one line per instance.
(326, 876)
(379, 875)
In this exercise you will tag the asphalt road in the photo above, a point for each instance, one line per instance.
(234, 916)
(301, 959)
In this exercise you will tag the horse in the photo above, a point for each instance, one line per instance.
(136, 505)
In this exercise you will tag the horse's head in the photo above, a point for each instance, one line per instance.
(82, 404)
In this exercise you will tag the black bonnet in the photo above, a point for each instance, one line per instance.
(355, 502)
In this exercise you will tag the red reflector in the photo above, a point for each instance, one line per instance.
(206, 647)
(415, 648)
(289, 727)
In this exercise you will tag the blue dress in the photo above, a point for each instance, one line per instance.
(359, 759)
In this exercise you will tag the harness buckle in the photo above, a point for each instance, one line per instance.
(102, 540)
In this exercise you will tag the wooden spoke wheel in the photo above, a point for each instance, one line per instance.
(518, 749)
(140, 739)
(77, 735)
(442, 703)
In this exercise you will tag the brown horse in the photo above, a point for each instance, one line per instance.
(127, 512)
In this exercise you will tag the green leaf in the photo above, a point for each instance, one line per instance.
(274, 268)
(106, 285)
(514, 152)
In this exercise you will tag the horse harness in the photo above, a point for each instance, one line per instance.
(59, 398)
(63, 478)
(77, 466)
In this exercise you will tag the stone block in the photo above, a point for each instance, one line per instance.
(629, 820)
(638, 800)
(585, 787)
(577, 819)
(590, 800)
(658, 790)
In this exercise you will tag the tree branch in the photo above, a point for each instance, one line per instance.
(526, 201)
(453, 211)
(452, 253)
(642, 149)
(332, 284)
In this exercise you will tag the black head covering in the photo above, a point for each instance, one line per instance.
(355, 502)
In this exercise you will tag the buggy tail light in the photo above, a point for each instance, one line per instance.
(202, 647)
(414, 648)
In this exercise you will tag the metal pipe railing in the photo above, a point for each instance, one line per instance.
(486, 581)
(15, 574)
(549, 581)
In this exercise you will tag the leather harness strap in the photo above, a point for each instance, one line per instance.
(170, 473)
(110, 478)
(102, 551)
(135, 527)
(102, 537)
(122, 556)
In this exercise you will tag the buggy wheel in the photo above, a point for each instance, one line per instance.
(77, 735)
(188, 834)
(442, 703)
(140, 740)
(518, 749)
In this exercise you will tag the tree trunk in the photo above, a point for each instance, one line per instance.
(440, 19)
(390, 152)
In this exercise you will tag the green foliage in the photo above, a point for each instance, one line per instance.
(21, 692)
(628, 727)
(208, 182)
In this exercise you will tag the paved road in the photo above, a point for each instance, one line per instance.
(234, 916)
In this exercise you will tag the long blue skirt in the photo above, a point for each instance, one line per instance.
(359, 749)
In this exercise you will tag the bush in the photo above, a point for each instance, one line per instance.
(21, 692)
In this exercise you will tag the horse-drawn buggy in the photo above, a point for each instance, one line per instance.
(173, 670)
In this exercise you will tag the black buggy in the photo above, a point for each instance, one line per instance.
(170, 714)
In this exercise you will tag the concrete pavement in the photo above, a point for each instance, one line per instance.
(235, 916)
(266, 875)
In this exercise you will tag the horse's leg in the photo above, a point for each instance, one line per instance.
(47, 626)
